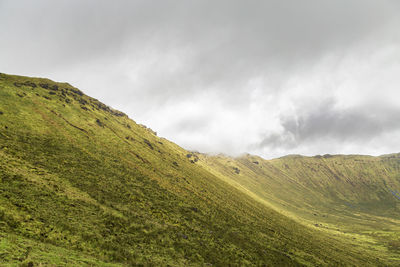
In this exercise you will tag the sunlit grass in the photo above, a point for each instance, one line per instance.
(83, 183)
(348, 197)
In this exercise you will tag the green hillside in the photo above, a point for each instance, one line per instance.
(348, 196)
(82, 184)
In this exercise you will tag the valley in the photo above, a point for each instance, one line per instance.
(83, 184)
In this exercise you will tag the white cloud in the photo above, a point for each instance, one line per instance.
(224, 76)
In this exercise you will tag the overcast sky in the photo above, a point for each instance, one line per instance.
(265, 77)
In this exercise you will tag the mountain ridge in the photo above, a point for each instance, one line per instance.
(79, 176)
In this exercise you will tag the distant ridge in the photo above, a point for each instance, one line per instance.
(84, 185)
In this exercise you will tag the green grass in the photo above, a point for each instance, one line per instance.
(82, 183)
(19, 251)
(348, 197)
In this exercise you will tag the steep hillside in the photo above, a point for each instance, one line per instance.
(353, 196)
(82, 184)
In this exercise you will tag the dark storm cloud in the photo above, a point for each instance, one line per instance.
(243, 66)
(327, 122)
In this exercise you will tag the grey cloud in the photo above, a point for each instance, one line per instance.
(330, 123)
(234, 58)
(229, 42)
(192, 124)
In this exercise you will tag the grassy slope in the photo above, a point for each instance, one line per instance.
(351, 197)
(82, 182)
(19, 251)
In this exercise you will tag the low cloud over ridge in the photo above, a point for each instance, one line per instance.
(265, 77)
